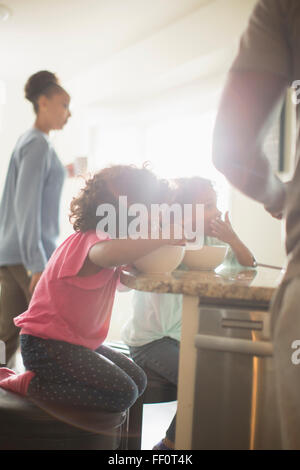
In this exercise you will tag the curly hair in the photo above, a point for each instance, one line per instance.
(140, 185)
(188, 190)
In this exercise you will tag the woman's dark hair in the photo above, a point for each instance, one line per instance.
(41, 83)
(140, 185)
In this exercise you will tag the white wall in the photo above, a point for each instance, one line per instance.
(263, 234)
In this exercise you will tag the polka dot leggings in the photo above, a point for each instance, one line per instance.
(74, 375)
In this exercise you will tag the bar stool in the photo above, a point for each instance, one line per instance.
(158, 390)
(28, 426)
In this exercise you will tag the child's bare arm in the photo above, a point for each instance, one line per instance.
(243, 254)
(124, 251)
(224, 231)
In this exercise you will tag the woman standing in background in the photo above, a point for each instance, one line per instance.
(29, 210)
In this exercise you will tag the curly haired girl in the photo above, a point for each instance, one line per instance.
(63, 330)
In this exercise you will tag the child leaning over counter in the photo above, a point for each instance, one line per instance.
(153, 332)
(63, 330)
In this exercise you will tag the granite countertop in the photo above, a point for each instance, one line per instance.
(254, 286)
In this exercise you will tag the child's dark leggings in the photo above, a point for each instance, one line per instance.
(67, 373)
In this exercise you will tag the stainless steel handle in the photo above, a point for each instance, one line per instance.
(243, 324)
(233, 345)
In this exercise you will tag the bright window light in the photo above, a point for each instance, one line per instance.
(182, 147)
(179, 146)
(2, 92)
(116, 145)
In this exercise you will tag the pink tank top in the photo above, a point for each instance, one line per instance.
(67, 307)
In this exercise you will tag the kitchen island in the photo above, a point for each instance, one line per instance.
(226, 394)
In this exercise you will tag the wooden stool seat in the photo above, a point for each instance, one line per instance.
(27, 425)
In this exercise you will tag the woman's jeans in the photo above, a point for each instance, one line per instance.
(162, 357)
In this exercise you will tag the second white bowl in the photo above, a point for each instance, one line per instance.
(205, 259)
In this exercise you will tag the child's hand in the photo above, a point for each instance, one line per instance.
(223, 230)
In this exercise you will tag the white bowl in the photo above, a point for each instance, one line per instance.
(162, 260)
(205, 259)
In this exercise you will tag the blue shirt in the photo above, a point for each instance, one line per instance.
(29, 210)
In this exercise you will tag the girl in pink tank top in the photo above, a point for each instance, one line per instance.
(63, 330)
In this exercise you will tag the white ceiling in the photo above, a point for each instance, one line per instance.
(119, 52)
(68, 36)
(198, 47)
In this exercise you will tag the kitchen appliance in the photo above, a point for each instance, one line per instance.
(235, 398)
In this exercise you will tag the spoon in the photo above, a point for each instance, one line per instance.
(269, 266)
